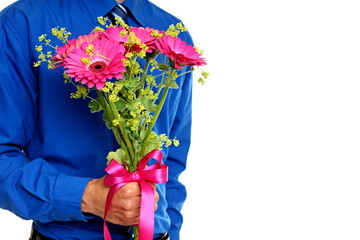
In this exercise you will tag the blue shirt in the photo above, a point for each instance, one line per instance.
(51, 145)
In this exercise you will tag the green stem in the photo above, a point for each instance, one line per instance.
(143, 77)
(157, 113)
(111, 112)
(120, 140)
(126, 137)
(161, 103)
(159, 108)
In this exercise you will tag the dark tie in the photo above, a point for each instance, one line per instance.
(117, 11)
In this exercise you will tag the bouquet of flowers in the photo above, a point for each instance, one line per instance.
(118, 62)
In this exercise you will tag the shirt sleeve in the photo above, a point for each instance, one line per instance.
(177, 157)
(30, 188)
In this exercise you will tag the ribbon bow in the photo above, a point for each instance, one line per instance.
(118, 176)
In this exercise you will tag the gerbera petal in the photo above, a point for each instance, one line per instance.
(93, 66)
(179, 52)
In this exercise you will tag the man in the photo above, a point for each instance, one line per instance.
(52, 149)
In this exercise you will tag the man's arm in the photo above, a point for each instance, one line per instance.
(177, 157)
(30, 188)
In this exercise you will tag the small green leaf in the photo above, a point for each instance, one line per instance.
(119, 156)
(107, 121)
(120, 105)
(148, 104)
(173, 84)
(143, 135)
(151, 145)
(163, 67)
(131, 83)
(161, 85)
(95, 106)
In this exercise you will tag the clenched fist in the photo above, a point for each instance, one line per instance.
(125, 206)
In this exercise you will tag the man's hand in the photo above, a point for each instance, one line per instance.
(125, 206)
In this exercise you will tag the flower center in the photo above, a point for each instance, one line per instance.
(97, 67)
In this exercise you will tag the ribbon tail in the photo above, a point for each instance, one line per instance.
(112, 191)
(107, 235)
(146, 226)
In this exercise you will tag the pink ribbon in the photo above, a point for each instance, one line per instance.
(118, 176)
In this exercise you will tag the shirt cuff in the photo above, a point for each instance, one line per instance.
(67, 198)
(174, 234)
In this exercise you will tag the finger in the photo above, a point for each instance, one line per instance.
(127, 204)
(129, 190)
(157, 196)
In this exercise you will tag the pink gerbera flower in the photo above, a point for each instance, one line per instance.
(62, 52)
(118, 34)
(93, 63)
(179, 52)
(143, 34)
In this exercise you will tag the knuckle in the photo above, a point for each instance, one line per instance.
(128, 215)
(131, 204)
(128, 205)
(157, 197)
(131, 189)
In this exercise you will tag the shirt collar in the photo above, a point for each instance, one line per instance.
(99, 8)
(142, 10)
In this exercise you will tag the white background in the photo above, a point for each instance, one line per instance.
(276, 133)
